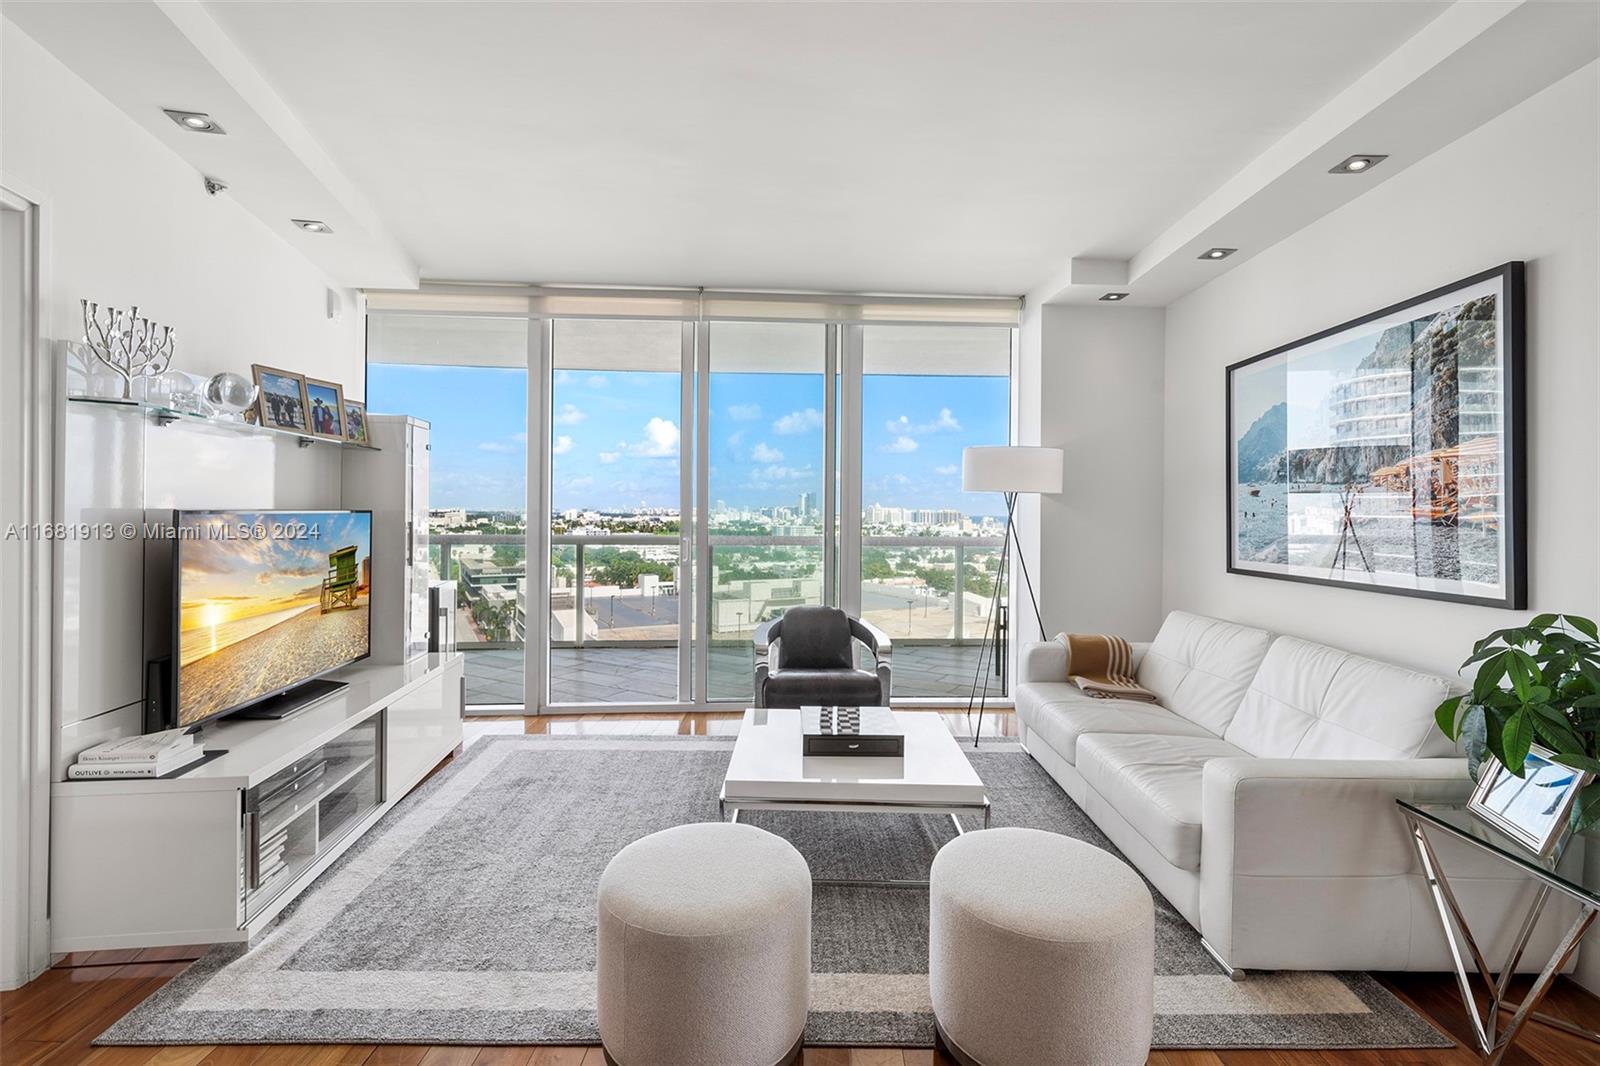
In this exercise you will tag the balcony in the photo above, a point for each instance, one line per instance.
(931, 594)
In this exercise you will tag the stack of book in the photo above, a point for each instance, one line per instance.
(151, 755)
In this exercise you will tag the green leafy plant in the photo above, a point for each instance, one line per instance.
(1536, 682)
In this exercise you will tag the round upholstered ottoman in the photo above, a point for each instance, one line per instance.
(705, 948)
(1041, 951)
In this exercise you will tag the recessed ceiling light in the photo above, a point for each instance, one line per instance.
(1217, 253)
(194, 121)
(311, 225)
(1357, 164)
(1113, 297)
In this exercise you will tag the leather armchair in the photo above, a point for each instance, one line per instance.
(807, 658)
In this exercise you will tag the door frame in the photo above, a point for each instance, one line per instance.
(29, 669)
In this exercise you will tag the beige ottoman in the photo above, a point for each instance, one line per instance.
(1041, 950)
(705, 949)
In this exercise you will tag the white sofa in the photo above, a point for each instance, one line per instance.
(1258, 796)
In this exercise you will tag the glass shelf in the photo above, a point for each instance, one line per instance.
(162, 415)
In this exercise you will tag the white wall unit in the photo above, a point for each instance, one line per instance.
(1522, 186)
(158, 862)
(392, 482)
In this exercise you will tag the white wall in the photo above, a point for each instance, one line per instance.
(1524, 186)
(1090, 383)
(1521, 187)
(130, 223)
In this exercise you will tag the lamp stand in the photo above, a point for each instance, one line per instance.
(990, 649)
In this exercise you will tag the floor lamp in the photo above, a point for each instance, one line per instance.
(1009, 470)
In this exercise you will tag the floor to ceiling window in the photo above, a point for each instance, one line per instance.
(467, 376)
(695, 474)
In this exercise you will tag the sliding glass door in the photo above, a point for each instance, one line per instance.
(627, 490)
(766, 463)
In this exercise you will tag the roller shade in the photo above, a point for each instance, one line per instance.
(692, 304)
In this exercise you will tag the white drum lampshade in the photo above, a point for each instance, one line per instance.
(1011, 468)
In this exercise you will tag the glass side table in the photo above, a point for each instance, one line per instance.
(1455, 821)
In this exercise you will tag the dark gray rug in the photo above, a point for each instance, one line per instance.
(467, 916)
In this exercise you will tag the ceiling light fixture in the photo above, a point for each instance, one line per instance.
(1358, 164)
(194, 121)
(1113, 297)
(311, 225)
(1217, 253)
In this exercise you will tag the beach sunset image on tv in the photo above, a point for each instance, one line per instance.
(267, 600)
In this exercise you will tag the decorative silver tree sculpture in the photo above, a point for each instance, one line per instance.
(131, 346)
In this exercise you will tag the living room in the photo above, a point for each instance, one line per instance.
(1067, 524)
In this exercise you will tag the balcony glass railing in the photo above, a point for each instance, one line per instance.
(614, 610)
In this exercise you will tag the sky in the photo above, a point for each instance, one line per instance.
(616, 436)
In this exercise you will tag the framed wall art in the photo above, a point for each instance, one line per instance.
(1388, 453)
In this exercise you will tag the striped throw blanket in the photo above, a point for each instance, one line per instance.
(1102, 666)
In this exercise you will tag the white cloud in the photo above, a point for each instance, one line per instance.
(609, 457)
(569, 415)
(735, 439)
(499, 447)
(598, 381)
(660, 439)
(901, 446)
(765, 453)
(947, 471)
(562, 446)
(744, 412)
(798, 422)
(776, 475)
(945, 420)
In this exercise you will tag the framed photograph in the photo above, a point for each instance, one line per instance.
(282, 402)
(1388, 453)
(1532, 809)
(325, 407)
(355, 423)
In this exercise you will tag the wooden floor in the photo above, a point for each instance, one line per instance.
(54, 1019)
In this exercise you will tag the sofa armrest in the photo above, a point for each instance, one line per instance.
(1318, 817)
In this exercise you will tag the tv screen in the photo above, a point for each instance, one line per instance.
(267, 600)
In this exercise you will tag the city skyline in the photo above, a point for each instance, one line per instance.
(616, 440)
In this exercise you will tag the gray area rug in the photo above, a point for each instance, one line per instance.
(467, 916)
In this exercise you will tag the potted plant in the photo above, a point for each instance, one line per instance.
(1535, 682)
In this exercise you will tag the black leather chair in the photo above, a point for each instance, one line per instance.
(807, 659)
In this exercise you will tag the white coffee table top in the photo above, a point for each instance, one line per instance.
(768, 766)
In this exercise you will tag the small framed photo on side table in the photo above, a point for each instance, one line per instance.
(1533, 809)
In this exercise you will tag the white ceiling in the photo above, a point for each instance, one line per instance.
(969, 148)
(962, 148)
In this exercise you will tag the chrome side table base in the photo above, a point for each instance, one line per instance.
(1493, 1041)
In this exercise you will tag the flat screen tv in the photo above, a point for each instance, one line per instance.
(261, 603)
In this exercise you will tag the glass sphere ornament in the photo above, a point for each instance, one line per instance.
(230, 394)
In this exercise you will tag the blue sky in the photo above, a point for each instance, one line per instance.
(617, 436)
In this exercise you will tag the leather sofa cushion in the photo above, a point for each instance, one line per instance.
(1154, 782)
(1061, 715)
(1311, 701)
(1200, 667)
(815, 638)
(811, 688)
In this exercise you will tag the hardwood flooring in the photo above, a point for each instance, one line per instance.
(53, 1020)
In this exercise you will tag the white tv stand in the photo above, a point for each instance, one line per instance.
(214, 855)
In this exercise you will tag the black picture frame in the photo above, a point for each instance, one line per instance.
(1513, 510)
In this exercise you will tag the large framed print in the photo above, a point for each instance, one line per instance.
(1387, 453)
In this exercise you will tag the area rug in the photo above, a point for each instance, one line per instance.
(467, 916)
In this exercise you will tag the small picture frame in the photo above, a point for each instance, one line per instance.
(325, 408)
(281, 403)
(1533, 809)
(355, 423)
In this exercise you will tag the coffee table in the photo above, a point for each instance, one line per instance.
(768, 772)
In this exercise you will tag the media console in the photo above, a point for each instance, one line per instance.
(214, 855)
